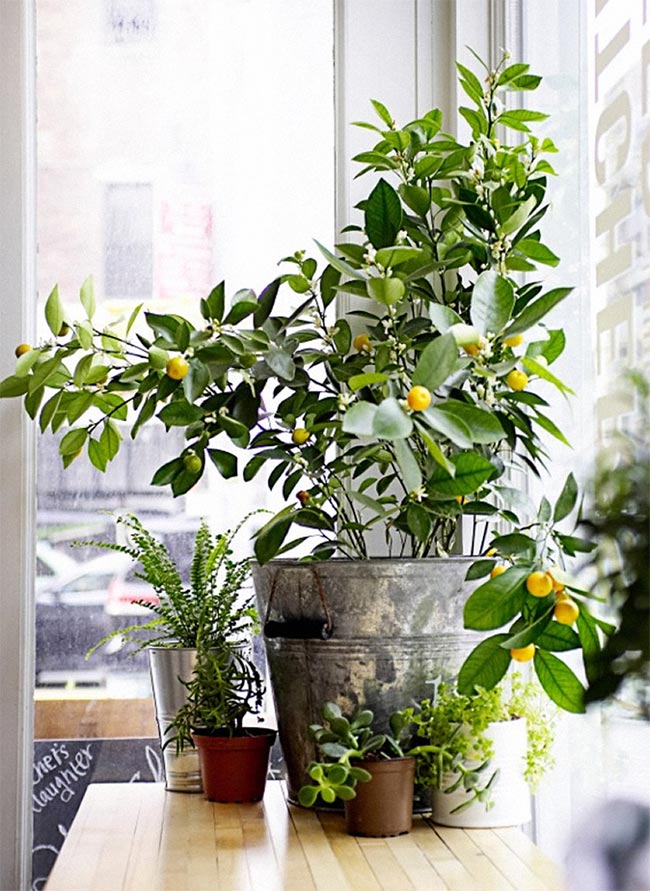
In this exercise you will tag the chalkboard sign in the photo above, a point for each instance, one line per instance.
(63, 769)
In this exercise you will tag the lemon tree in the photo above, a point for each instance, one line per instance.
(537, 608)
(399, 419)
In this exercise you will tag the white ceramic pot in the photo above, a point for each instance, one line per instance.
(510, 792)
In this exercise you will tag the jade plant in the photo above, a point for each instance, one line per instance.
(345, 742)
(402, 416)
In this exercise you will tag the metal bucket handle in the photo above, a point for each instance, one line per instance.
(299, 629)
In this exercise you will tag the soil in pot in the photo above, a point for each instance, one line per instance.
(383, 806)
(234, 768)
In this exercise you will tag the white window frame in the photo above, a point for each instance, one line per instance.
(17, 469)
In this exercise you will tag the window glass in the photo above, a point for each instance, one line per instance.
(180, 142)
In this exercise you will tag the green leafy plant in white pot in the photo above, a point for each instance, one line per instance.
(390, 424)
(487, 752)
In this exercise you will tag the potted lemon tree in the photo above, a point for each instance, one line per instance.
(384, 429)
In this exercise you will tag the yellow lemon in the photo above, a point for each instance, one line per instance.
(514, 341)
(517, 380)
(418, 398)
(361, 343)
(300, 435)
(21, 349)
(498, 570)
(177, 368)
(539, 584)
(523, 654)
(566, 611)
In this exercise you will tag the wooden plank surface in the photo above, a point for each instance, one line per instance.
(137, 837)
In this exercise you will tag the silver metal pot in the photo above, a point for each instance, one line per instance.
(168, 666)
(392, 627)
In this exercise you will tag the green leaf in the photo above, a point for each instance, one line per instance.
(472, 470)
(266, 302)
(167, 473)
(237, 431)
(536, 310)
(14, 385)
(243, 303)
(387, 291)
(417, 199)
(87, 297)
(341, 265)
(383, 215)
(496, 601)
(270, 537)
(515, 544)
(225, 462)
(84, 332)
(472, 85)
(443, 317)
(134, 315)
(196, 379)
(479, 569)
(281, 363)
(383, 113)
(391, 421)
(436, 452)
(342, 336)
(573, 545)
(98, 454)
(408, 465)
(418, 521)
(511, 72)
(359, 381)
(492, 303)
(484, 667)
(146, 413)
(455, 429)
(559, 682)
(73, 441)
(26, 362)
(559, 638)
(216, 302)
(329, 281)
(483, 426)
(551, 348)
(359, 419)
(438, 360)
(476, 120)
(552, 428)
(110, 439)
(54, 313)
(517, 219)
(567, 499)
(530, 632)
(537, 251)
(48, 410)
(542, 371)
(180, 413)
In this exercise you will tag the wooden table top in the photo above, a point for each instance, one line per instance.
(137, 836)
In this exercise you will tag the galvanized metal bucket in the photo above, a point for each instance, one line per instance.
(376, 632)
(168, 666)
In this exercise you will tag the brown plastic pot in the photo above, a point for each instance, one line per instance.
(383, 806)
(234, 768)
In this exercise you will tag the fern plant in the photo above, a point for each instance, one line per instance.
(211, 611)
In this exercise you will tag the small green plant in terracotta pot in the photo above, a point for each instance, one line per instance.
(371, 772)
(224, 689)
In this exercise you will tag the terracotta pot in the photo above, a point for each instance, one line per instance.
(234, 768)
(384, 806)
